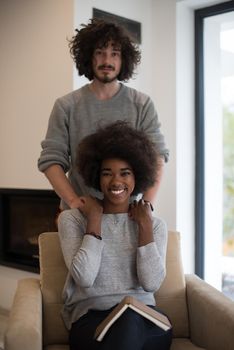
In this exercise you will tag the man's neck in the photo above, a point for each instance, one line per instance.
(104, 91)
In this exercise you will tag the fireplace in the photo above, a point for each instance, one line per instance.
(24, 214)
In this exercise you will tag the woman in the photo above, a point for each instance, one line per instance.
(117, 248)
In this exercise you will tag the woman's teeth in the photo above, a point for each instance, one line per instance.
(116, 192)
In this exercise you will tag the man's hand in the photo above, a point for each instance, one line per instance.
(76, 202)
(91, 207)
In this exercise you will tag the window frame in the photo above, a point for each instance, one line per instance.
(200, 16)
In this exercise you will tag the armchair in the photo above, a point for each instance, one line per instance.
(202, 317)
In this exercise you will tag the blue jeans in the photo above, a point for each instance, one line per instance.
(130, 331)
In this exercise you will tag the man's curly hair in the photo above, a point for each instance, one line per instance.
(118, 140)
(98, 34)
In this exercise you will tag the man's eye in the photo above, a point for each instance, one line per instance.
(105, 173)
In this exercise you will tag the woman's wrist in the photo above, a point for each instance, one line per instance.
(145, 235)
(145, 230)
(145, 224)
(94, 223)
(94, 234)
(94, 217)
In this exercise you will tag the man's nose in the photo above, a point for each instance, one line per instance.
(106, 57)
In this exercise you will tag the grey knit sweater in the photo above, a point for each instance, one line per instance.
(80, 113)
(102, 272)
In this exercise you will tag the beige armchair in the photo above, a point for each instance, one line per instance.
(202, 317)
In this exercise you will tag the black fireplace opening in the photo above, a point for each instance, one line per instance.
(24, 215)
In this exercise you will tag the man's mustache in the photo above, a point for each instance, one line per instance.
(103, 66)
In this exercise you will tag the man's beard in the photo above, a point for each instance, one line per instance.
(105, 79)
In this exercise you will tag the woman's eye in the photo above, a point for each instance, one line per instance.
(106, 174)
(126, 173)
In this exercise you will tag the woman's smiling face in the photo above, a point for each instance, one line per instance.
(117, 182)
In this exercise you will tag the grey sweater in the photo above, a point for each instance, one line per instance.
(79, 114)
(102, 272)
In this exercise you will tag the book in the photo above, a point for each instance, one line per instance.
(136, 305)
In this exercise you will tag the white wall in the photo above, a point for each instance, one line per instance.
(185, 132)
(163, 70)
(35, 68)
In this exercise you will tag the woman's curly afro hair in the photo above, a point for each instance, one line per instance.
(98, 34)
(118, 140)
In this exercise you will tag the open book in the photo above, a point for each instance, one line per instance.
(136, 305)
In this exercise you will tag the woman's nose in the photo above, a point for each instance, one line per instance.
(115, 179)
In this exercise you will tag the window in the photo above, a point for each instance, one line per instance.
(214, 38)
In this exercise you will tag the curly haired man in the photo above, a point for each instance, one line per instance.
(105, 54)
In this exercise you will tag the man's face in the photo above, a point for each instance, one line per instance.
(107, 62)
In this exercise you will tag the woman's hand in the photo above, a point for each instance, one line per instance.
(92, 209)
(141, 212)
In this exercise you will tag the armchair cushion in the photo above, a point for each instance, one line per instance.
(171, 297)
(53, 275)
(184, 344)
(25, 317)
(211, 315)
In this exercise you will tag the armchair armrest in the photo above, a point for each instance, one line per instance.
(211, 315)
(24, 329)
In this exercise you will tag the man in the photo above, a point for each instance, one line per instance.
(105, 54)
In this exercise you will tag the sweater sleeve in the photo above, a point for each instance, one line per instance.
(151, 125)
(151, 259)
(82, 253)
(55, 147)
